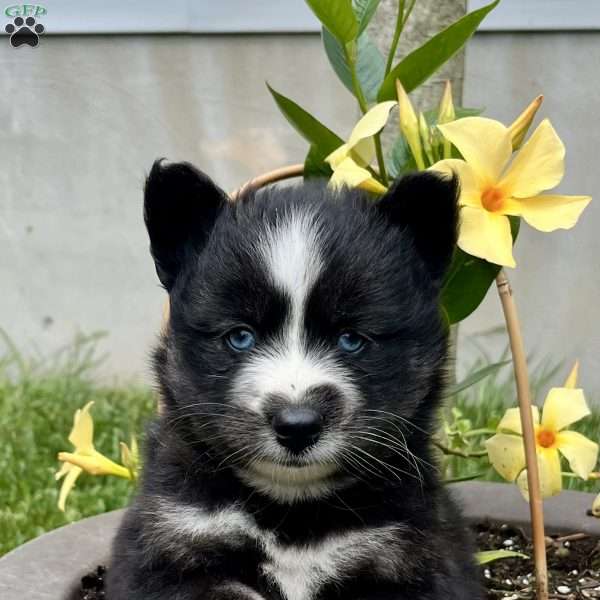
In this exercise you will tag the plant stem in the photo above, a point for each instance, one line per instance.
(401, 19)
(364, 107)
(533, 481)
(461, 453)
(380, 160)
(475, 432)
(592, 476)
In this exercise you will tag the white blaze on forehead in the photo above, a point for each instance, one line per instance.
(292, 252)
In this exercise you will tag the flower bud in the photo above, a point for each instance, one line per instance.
(426, 138)
(520, 126)
(409, 125)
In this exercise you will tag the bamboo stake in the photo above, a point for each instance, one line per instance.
(522, 380)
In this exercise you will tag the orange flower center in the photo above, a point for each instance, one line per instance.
(492, 199)
(546, 438)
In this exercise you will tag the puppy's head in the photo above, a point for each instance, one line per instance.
(305, 344)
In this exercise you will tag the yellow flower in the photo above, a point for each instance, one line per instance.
(493, 186)
(562, 407)
(85, 457)
(350, 160)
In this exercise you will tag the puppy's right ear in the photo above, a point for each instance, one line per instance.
(181, 205)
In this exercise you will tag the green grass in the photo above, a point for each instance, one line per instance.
(37, 402)
(38, 398)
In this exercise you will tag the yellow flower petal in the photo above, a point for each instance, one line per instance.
(82, 434)
(67, 485)
(64, 469)
(548, 212)
(511, 421)
(363, 152)
(486, 235)
(549, 472)
(470, 186)
(348, 173)
(95, 464)
(337, 156)
(484, 143)
(538, 166)
(373, 186)
(581, 453)
(506, 454)
(371, 123)
(563, 406)
(571, 381)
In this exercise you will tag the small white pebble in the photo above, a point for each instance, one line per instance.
(567, 544)
(563, 589)
(574, 572)
(508, 543)
(487, 573)
(525, 581)
(508, 581)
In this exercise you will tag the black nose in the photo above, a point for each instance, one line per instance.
(297, 428)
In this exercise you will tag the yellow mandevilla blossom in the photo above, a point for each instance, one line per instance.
(562, 407)
(493, 186)
(349, 162)
(85, 457)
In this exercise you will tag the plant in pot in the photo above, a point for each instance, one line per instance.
(504, 176)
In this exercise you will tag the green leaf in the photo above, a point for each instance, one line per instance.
(468, 281)
(401, 160)
(337, 16)
(420, 64)
(315, 165)
(310, 128)
(370, 64)
(364, 11)
(475, 378)
(488, 556)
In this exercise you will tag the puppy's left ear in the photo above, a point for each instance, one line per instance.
(425, 205)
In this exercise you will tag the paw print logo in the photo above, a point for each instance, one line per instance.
(24, 31)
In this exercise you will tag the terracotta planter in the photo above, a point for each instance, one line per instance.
(46, 567)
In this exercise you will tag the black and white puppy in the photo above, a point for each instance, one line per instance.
(300, 374)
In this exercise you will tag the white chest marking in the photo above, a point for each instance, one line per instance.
(298, 570)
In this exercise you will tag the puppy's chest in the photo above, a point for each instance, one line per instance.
(301, 570)
(297, 570)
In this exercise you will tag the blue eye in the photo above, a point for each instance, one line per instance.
(351, 342)
(241, 339)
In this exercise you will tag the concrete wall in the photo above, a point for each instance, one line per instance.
(84, 117)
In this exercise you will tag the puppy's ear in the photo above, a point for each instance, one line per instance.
(425, 204)
(181, 205)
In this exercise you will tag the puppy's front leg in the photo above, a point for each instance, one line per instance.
(193, 590)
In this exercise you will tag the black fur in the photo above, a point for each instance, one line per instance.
(381, 271)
